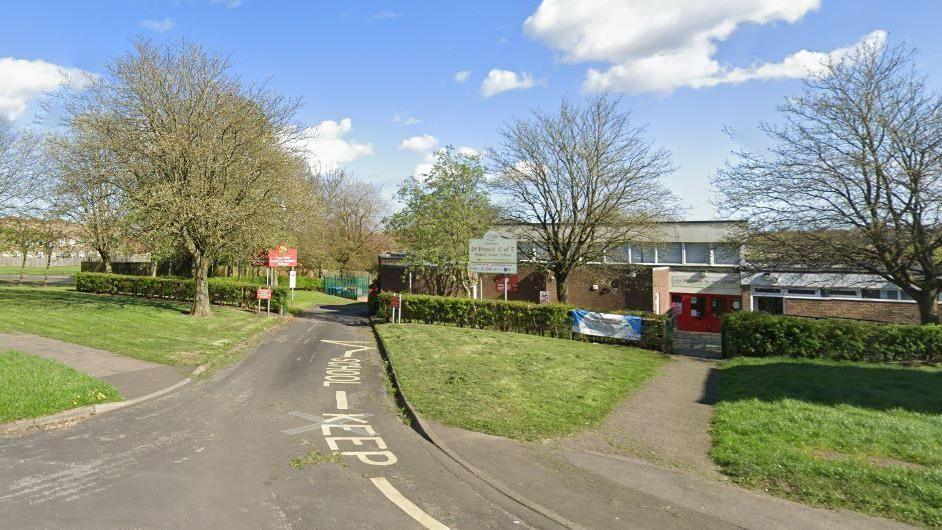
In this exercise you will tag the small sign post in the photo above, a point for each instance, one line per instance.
(544, 297)
(396, 304)
(292, 281)
(264, 294)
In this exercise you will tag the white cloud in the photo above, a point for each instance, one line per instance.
(498, 81)
(419, 144)
(23, 80)
(671, 44)
(385, 15)
(324, 144)
(405, 120)
(158, 25)
(462, 75)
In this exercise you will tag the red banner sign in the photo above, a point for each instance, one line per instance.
(394, 302)
(280, 256)
(263, 294)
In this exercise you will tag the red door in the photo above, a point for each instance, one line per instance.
(701, 312)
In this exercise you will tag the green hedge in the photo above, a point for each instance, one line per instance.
(220, 292)
(552, 320)
(762, 335)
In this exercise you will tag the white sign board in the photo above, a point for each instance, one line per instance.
(544, 297)
(493, 268)
(292, 279)
(493, 254)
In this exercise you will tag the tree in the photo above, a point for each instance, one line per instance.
(203, 158)
(20, 164)
(23, 234)
(86, 189)
(49, 233)
(583, 179)
(439, 216)
(852, 180)
(350, 232)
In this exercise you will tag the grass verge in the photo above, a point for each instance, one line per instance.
(851, 435)
(151, 330)
(31, 387)
(39, 271)
(508, 384)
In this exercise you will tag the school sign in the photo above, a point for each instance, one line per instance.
(493, 254)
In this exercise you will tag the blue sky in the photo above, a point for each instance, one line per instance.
(383, 72)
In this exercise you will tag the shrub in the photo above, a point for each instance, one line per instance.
(552, 320)
(220, 292)
(762, 335)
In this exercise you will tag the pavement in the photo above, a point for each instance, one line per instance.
(133, 378)
(667, 421)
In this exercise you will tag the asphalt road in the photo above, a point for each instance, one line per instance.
(217, 454)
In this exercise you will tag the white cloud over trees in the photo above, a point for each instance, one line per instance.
(662, 46)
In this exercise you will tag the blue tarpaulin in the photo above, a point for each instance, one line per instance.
(626, 327)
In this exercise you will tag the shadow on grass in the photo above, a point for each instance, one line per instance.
(75, 300)
(865, 386)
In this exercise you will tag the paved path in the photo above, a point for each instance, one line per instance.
(33, 279)
(217, 454)
(132, 377)
(667, 421)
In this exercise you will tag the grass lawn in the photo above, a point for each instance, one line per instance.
(509, 384)
(860, 436)
(152, 330)
(31, 386)
(39, 271)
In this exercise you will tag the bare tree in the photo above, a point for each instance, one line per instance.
(204, 158)
(852, 182)
(20, 162)
(584, 179)
(350, 232)
(86, 189)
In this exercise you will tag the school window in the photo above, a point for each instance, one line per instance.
(698, 253)
(669, 253)
(726, 255)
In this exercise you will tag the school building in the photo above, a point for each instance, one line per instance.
(688, 266)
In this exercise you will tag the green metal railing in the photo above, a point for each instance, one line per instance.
(352, 287)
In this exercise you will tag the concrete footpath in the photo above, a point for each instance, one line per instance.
(133, 378)
(595, 490)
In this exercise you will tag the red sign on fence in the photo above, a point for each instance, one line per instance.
(263, 294)
(280, 256)
(394, 302)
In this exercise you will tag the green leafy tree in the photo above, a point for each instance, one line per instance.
(204, 158)
(440, 215)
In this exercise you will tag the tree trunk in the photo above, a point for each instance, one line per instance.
(201, 306)
(928, 308)
(48, 263)
(23, 267)
(105, 260)
(153, 268)
(562, 289)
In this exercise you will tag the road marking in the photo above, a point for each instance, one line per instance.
(341, 400)
(406, 505)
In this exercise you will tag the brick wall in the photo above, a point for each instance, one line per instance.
(619, 287)
(896, 312)
(661, 284)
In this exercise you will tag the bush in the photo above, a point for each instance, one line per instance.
(220, 292)
(552, 320)
(763, 335)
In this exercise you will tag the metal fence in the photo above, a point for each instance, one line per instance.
(352, 287)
